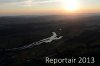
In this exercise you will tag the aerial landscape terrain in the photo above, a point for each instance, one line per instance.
(27, 40)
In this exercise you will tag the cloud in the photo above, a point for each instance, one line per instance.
(28, 2)
(8, 1)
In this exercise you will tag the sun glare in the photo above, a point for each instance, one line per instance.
(70, 5)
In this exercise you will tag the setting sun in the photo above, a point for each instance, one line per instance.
(70, 5)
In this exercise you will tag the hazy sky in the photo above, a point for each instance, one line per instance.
(14, 7)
